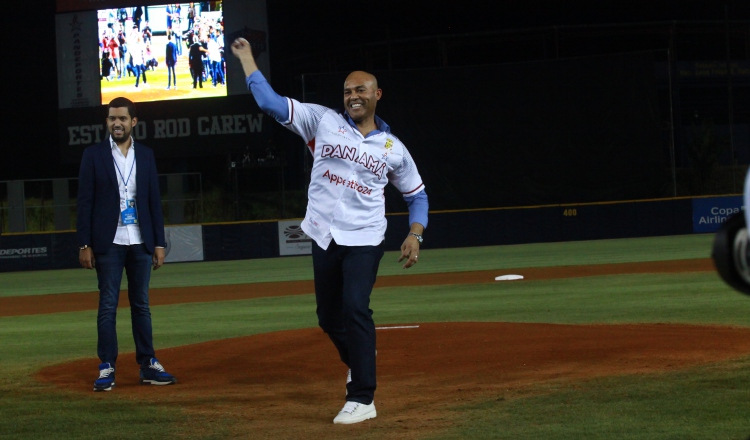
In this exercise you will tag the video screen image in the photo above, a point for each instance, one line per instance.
(162, 52)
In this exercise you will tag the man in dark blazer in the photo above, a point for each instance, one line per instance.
(170, 58)
(120, 225)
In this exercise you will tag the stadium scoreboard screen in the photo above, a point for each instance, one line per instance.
(174, 60)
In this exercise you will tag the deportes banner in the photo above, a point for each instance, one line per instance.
(38, 252)
(77, 60)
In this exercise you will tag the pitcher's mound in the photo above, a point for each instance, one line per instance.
(291, 384)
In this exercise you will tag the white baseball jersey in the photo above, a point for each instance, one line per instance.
(346, 198)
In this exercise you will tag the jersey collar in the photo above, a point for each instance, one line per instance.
(382, 126)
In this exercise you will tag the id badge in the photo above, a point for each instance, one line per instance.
(129, 214)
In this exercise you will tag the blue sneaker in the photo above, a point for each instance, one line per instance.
(106, 377)
(152, 373)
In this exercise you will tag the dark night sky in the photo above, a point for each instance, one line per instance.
(404, 19)
(303, 26)
(416, 18)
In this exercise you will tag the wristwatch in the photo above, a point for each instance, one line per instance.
(85, 246)
(419, 237)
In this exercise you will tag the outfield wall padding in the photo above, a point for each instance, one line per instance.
(240, 241)
(549, 224)
(38, 251)
(491, 227)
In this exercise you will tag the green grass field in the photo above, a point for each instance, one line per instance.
(709, 402)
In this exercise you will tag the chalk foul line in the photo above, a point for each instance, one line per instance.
(396, 326)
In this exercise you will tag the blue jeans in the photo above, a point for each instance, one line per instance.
(137, 263)
(344, 277)
(139, 69)
(123, 67)
(171, 74)
(216, 72)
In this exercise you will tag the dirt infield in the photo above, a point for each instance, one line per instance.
(290, 384)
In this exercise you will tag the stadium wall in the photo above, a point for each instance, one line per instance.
(485, 227)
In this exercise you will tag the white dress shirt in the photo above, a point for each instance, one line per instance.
(125, 171)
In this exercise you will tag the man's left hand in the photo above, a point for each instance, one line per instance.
(409, 251)
(158, 258)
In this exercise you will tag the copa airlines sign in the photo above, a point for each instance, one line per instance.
(710, 213)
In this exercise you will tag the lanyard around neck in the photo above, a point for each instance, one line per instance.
(125, 181)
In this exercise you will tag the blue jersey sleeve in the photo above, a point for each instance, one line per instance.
(268, 100)
(418, 207)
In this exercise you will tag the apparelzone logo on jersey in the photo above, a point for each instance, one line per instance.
(338, 180)
(377, 167)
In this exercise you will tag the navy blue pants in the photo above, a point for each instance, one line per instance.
(217, 74)
(137, 263)
(344, 277)
(139, 70)
(171, 76)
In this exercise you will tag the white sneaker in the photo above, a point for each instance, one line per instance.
(355, 412)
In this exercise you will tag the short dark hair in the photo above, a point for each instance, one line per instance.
(123, 102)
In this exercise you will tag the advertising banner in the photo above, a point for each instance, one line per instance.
(38, 252)
(709, 213)
(77, 60)
(184, 243)
(292, 240)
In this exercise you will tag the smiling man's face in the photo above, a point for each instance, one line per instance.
(120, 124)
(361, 95)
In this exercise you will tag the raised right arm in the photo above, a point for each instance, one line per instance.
(268, 100)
